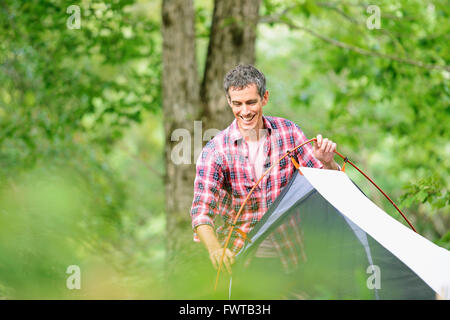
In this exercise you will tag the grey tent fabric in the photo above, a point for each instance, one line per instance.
(322, 255)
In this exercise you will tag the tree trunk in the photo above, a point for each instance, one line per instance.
(232, 41)
(180, 88)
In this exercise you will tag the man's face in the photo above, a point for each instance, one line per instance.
(247, 107)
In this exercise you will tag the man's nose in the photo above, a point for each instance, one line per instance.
(245, 108)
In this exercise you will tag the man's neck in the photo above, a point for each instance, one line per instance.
(254, 135)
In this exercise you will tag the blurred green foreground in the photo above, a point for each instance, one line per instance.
(82, 171)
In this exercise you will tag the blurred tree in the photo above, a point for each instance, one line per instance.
(185, 98)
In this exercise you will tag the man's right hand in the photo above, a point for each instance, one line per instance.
(228, 259)
(208, 237)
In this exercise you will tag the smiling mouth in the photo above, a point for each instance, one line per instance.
(248, 119)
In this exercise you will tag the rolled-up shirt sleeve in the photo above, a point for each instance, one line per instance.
(208, 184)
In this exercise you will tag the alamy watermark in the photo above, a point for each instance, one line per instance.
(374, 280)
(189, 145)
(74, 280)
(182, 151)
(74, 20)
(374, 20)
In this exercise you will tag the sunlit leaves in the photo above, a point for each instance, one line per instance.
(379, 107)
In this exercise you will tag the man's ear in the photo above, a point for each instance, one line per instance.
(265, 98)
(228, 100)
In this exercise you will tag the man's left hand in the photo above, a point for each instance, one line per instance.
(324, 152)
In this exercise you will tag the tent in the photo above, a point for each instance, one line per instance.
(333, 243)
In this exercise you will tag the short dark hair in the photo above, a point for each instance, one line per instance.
(243, 75)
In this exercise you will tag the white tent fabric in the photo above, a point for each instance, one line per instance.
(429, 261)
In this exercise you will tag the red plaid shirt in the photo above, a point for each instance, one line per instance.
(224, 177)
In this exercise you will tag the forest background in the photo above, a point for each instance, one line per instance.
(91, 94)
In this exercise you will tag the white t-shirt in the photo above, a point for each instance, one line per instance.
(256, 155)
(256, 158)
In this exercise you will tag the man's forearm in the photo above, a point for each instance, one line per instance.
(208, 237)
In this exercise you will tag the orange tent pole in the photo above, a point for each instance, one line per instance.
(288, 153)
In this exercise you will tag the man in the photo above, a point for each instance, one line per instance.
(233, 161)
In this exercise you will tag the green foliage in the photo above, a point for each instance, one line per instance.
(82, 142)
(427, 190)
(389, 116)
(444, 241)
(66, 97)
(57, 81)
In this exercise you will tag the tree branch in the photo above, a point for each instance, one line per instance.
(353, 48)
(333, 6)
(364, 6)
(339, 11)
